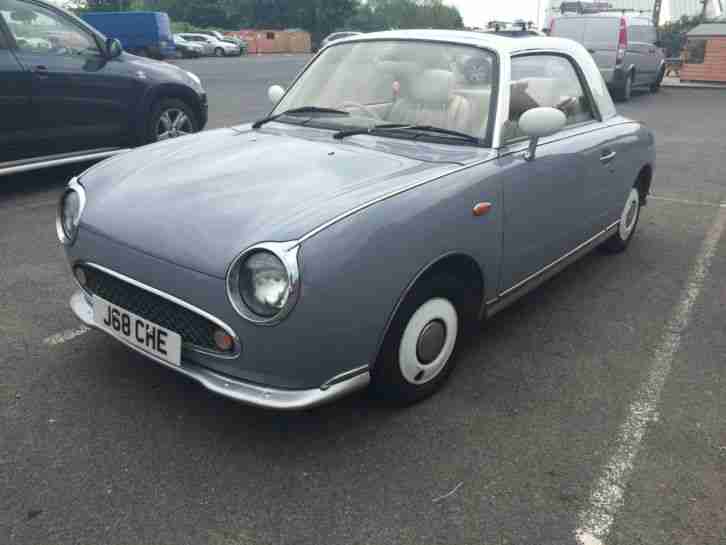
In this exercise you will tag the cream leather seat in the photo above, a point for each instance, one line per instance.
(430, 101)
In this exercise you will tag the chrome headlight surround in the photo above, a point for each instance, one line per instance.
(287, 253)
(73, 187)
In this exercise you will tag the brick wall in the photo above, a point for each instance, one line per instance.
(714, 63)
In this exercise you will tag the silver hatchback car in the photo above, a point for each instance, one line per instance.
(624, 45)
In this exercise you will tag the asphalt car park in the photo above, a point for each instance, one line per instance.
(98, 445)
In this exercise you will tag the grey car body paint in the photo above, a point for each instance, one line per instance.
(371, 212)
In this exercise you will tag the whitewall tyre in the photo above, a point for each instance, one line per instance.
(629, 217)
(428, 341)
(419, 349)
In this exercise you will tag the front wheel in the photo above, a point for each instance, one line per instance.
(219, 52)
(418, 352)
(629, 217)
(171, 118)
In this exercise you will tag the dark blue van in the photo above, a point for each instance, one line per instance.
(144, 33)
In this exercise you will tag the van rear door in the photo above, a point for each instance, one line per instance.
(601, 40)
(570, 28)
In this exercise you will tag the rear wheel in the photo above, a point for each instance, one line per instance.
(629, 217)
(419, 349)
(171, 118)
(626, 91)
(219, 52)
(655, 86)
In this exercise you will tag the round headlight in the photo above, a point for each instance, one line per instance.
(264, 283)
(69, 212)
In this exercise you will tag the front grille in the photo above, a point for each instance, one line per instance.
(194, 329)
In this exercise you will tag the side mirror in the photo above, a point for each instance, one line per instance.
(275, 93)
(538, 123)
(113, 48)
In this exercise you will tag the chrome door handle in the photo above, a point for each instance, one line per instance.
(606, 157)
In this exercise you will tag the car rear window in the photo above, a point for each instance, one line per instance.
(574, 29)
(602, 32)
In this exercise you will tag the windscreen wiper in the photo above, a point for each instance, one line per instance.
(403, 127)
(303, 110)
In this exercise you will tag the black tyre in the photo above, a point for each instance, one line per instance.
(620, 240)
(655, 86)
(624, 93)
(219, 52)
(419, 351)
(171, 118)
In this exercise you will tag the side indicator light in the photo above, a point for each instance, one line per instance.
(481, 208)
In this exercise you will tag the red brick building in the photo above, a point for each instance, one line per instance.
(705, 55)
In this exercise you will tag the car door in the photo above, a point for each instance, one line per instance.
(553, 203)
(79, 98)
(15, 113)
(638, 53)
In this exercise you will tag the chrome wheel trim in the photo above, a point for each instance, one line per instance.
(629, 217)
(173, 123)
(413, 370)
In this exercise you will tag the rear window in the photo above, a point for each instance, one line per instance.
(574, 29)
(602, 32)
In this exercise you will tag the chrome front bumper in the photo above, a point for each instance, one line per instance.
(245, 392)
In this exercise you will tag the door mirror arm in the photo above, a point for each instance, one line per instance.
(539, 122)
(531, 152)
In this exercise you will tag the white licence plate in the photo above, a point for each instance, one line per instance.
(137, 331)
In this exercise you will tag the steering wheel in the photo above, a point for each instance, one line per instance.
(477, 71)
(362, 107)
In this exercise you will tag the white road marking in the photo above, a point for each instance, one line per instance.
(65, 336)
(683, 201)
(607, 494)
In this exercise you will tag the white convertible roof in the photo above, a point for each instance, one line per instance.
(503, 44)
(506, 46)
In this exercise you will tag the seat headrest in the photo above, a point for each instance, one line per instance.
(432, 87)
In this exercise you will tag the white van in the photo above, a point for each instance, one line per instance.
(624, 45)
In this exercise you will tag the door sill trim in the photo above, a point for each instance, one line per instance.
(520, 289)
(26, 165)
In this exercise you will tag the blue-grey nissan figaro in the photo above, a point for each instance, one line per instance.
(406, 185)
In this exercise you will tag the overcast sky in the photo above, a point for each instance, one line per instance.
(479, 12)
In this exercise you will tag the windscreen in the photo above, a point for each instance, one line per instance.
(408, 82)
(602, 33)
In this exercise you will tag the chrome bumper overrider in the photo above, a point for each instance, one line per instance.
(270, 398)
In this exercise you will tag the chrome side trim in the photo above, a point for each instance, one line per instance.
(355, 210)
(520, 289)
(287, 253)
(345, 376)
(245, 392)
(175, 300)
(65, 160)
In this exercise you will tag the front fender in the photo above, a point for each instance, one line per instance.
(355, 272)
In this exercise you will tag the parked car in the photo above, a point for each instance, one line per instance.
(624, 45)
(397, 193)
(69, 94)
(337, 36)
(187, 49)
(243, 45)
(213, 46)
(147, 34)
